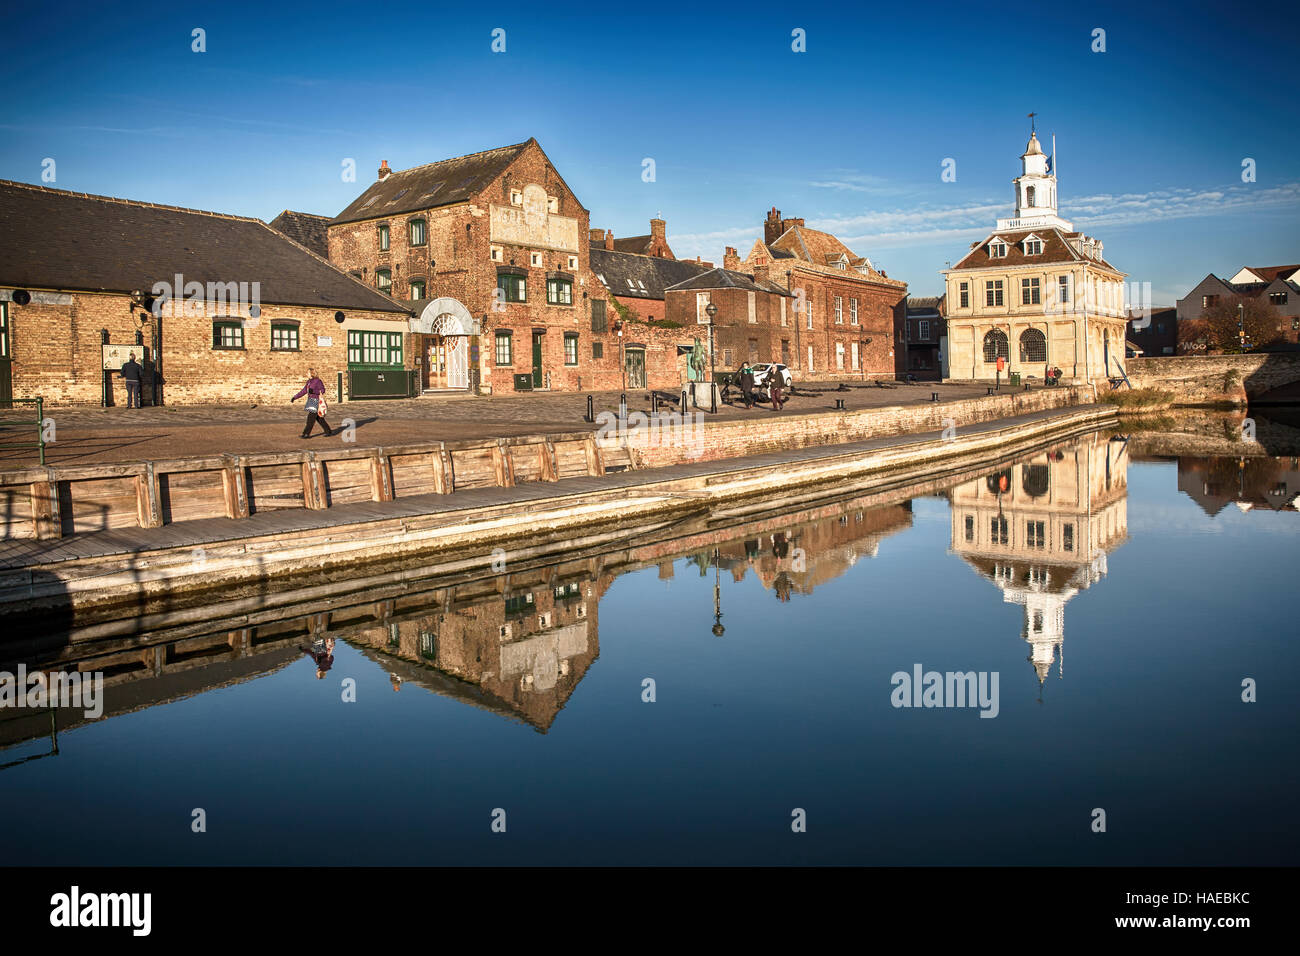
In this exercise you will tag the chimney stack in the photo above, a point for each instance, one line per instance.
(384, 171)
(772, 226)
(609, 240)
(787, 223)
(598, 236)
(730, 261)
(762, 273)
(658, 229)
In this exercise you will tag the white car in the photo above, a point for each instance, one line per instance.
(764, 369)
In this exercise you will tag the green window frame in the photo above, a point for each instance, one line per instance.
(384, 280)
(419, 232)
(417, 289)
(570, 348)
(514, 287)
(228, 336)
(374, 350)
(384, 238)
(597, 350)
(284, 337)
(599, 322)
(4, 330)
(559, 292)
(504, 350)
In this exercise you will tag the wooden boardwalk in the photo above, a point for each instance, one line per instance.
(681, 480)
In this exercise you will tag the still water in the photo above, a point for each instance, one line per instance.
(1113, 602)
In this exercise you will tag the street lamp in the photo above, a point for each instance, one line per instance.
(718, 629)
(712, 310)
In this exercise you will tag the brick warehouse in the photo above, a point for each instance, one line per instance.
(77, 270)
(850, 315)
(490, 251)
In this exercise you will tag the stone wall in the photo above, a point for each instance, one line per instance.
(1205, 380)
(709, 441)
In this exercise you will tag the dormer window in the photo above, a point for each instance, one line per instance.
(997, 249)
(516, 197)
(1033, 246)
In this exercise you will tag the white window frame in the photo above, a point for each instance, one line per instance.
(853, 311)
(516, 197)
(839, 310)
(535, 260)
(496, 254)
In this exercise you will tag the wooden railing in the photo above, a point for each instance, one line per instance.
(54, 502)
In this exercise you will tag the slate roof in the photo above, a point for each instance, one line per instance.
(305, 229)
(431, 185)
(635, 244)
(727, 279)
(53, 239)
(627, 275)
(1056, 249)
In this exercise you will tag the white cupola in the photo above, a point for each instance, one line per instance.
(1035, 187)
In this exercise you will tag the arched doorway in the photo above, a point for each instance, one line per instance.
(444, 327)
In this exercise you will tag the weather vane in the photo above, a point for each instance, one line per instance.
(1032, 126)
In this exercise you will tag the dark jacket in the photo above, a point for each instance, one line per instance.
(131, 371)
(747, 379)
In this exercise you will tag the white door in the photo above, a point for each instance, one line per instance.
(458, 361)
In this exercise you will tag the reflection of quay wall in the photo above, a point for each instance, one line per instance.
(1208, 432)
(1040, 530)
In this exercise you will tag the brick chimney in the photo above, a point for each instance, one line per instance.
(609, 240)
(772, 226)
(598, 235)
(762, 273)
(730, 260)
(384, 171)
(658, 229)
(701, 262)
(787, 223)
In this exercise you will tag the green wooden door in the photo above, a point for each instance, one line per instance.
(537, 360)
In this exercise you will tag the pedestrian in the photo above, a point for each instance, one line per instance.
(322, 652)
(315, 392)
(131, 375)
(747, 384)
(775, 383)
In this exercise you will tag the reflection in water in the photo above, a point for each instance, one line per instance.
(1041, 529)
(1214, 483)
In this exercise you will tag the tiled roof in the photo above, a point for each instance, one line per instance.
(820, 248)
(53, 239)
(634, 244)
(1269, 273)
(305, 229)
(432, 185)
(1056, 249)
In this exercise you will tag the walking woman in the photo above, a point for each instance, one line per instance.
(315, 392)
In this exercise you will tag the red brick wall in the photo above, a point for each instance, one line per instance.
(457, 263)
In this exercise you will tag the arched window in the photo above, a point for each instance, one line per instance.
(1033, 346)
(1034, 479)
(1029, 195)
(995, 346)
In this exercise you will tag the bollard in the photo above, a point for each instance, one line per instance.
(990, 390)
(1026, 386)
(934, 396)
(591, 410)
(839, 404)
(713, 398)
(654, 403)
(622, 408)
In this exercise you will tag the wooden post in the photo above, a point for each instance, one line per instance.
(444, 478)
(381, 480)
(594, 465)
(314, 493)
(502, 465)
(546, 460)
(233, 490)
(148, 508)
(550, 465)
(46, 521)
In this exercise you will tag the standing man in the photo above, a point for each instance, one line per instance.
(131, 375)
(775, 382)
(315, 391)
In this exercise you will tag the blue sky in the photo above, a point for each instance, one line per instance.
(850, 135)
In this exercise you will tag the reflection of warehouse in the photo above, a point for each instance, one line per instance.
(522, 642)
(1041, 529)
